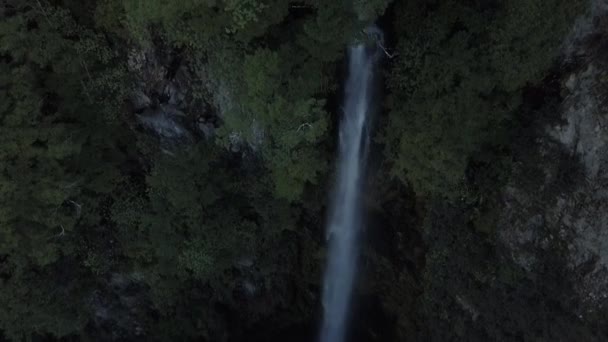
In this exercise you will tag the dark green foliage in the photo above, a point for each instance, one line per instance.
(82, 191)
(44, 300)
(109, 233)
(56, 163)
(276, 96)
(269, 85)
(459, 75)
(474, 293)
(192, 240)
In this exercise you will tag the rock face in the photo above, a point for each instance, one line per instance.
(120, 309)
(180, 100)
(163, 98)
(564, 206)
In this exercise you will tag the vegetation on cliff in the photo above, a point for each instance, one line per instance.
(111, 230)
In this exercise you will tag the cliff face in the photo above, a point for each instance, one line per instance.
(542, 275)
(565, 208)
(523, 254)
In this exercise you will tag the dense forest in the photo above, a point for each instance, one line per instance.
(165, 169)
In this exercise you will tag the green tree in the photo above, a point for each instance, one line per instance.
(278, 96)
(56, 161)
(194, 224)
(459, 73)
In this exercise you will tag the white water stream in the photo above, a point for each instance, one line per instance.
(344, 224)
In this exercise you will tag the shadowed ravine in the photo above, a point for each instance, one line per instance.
(345, 220)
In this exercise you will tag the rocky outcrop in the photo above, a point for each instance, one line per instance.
(163, 99)
(558, 200)
(120, 309)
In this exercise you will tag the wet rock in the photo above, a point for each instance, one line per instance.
(584, 132)
(566, 209)
(159, 96)
(120, 309)
(140, 101)
(249, 288)
(147, 69)
(207, 129)
(165, 122)
(468, 307)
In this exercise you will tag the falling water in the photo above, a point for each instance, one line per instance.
(345, 221)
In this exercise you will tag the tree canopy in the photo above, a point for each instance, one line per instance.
(110, 230)
(458, 78)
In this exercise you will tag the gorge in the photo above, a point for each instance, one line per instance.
(224, 170)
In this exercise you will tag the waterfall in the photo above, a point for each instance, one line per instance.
(344, 223)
